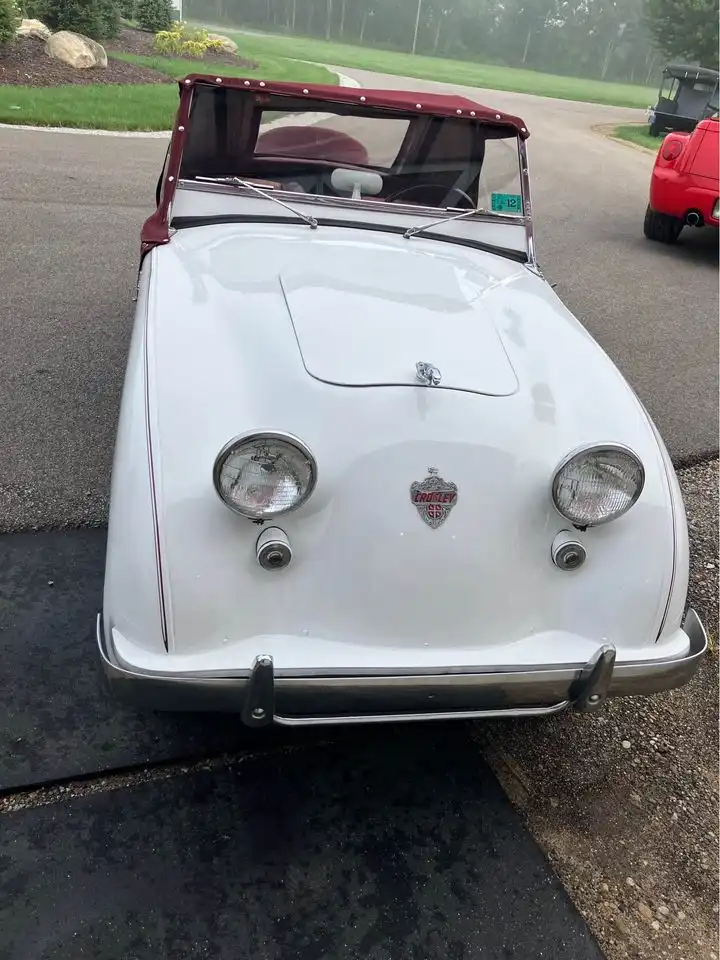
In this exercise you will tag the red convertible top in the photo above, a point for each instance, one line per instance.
(437, 104)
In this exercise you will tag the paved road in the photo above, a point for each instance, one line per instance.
(71, 207)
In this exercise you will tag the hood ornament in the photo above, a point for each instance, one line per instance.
(434, 498)
(427, 374)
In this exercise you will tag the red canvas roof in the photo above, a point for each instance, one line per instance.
(437, 104)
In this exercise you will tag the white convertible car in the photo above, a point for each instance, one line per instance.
(368, 466)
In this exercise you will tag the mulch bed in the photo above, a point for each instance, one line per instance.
(140, 43)
(26, 63)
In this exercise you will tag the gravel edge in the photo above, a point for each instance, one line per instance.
(625, 803)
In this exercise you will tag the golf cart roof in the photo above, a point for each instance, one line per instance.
(690, 71)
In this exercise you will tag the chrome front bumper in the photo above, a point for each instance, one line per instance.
(263, 696)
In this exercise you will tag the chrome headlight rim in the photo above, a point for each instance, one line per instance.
(585, 450)
(273, 435)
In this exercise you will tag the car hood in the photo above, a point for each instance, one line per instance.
(342, 306)
(364, 309)
(366, 317)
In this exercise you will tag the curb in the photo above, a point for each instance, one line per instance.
(603, 129)
(344, 81)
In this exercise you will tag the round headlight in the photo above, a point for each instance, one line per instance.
(264, 475)
(598, 484)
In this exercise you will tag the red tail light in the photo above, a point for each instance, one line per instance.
(672, 150)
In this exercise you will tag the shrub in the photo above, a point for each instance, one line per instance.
(9, 20)
(110, 17)
(183, 41)
(154, 14)
(98, 19)
(33, 9)
(127, 9)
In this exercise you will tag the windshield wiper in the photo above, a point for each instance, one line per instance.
(411, 231)
(237, 182)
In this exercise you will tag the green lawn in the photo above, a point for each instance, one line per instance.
(638, 133)
(132, 106)
(465, 73)
(104, 107)
(270, 68)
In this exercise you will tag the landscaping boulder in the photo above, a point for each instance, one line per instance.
(226, 44)
(97, 48)
(34, 29)
(76, 50)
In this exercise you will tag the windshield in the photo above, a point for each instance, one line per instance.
(320, 149)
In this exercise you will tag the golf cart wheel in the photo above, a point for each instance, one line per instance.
(654, 130)
(661, 227)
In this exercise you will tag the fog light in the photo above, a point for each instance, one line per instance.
(567, 551)
(273, 549)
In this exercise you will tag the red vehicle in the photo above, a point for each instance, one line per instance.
(684, 185)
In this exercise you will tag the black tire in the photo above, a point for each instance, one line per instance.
(654, 130)
(661, 226)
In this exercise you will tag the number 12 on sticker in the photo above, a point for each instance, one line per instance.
(506, 203)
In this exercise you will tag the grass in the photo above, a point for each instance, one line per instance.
(271, 68)
(103, 107)
(638, 133)
(149, 106)
(464, 73)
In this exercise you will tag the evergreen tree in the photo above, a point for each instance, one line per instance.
(154, 14)
(685, 29)
(97, 19)
(9, 20)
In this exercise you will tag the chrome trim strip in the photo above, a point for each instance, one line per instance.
(410, 717)
(151, 469)
(509, 691)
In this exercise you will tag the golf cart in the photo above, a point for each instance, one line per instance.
(687, 94)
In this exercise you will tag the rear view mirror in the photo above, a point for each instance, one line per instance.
(358, 182)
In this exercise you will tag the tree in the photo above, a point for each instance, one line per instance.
(685, 29)
(97, 19)
(109, 18)
(586, 38)
(154, 14)
(9, 20)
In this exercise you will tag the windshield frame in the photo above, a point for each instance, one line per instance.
(157, 226)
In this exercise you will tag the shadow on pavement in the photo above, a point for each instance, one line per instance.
(400, 848)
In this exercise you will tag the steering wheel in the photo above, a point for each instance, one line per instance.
(433, 186)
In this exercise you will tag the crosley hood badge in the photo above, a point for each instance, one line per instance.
(434, 498)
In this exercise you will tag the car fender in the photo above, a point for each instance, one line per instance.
(133, 601)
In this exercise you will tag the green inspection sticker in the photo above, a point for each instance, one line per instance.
(506, 203)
